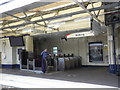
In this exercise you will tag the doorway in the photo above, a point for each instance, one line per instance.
(95, 52)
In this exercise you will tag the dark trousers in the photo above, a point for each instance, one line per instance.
(43, 65)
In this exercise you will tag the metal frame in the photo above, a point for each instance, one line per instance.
(28, 63)
(83, 7)
(21, 65)
(66, 15)
(28, 21)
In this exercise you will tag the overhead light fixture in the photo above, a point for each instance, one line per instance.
(61, 6)
(32, 29)
(81, 19)
(27, 30)
(64, 38)
(30, 14)
(69, 17)
(56, 25)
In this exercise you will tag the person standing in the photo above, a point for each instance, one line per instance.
(44, 56)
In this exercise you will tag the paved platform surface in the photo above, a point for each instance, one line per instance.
(86, 75)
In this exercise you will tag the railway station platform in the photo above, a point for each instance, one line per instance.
(85, 77)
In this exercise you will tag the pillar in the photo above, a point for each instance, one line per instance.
(29, 43)
(8, 57)
(118, 50)
(112, 62)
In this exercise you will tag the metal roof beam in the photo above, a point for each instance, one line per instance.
(45, 12)
(92, 15)
(30, 22)
(62, 32)
(26, 8)
(69, 14)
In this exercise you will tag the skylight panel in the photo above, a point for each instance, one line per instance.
(13, 4)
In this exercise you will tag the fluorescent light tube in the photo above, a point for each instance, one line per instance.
(61, 6)
(81, 19)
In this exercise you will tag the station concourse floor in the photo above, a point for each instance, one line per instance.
(89, 75)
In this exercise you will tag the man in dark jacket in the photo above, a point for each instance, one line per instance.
(44, 55)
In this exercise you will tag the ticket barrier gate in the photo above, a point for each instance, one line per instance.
(52, 64)
(67, 63)
(34, 65)
(30, 66)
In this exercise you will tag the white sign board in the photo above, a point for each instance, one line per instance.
(80, 34)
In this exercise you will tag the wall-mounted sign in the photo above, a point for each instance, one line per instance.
(80, 34)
